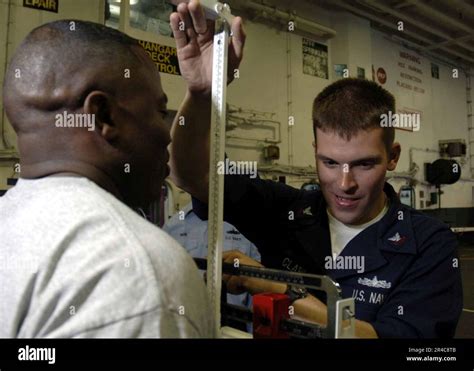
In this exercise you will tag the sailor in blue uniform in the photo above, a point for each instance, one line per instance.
(402, 270)
(400, 265)
(191, 232)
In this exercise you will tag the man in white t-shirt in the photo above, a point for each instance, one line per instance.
(342, 234)
(75, 259)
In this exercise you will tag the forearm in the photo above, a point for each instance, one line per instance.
(189, 150)
(364, 330)
(313, 310)
(308, 309)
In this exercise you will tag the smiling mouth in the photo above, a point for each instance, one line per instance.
(346, 202)
(347, 198)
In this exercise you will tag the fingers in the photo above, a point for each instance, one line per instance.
(183, 11)
(179, 35)
(229, 256)
(226, 277)
(234, 285)
(198, 17)
(210, 27)
(191, 15)
(238, 38)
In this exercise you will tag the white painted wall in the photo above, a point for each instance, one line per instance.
(263, 85)
(444, 116)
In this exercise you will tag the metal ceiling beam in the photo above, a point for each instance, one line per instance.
(391, 25)
(435, 13)
(418, 24)
(465, 7)
(403, 4)
(449, 42)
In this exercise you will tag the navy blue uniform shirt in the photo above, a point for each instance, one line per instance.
(410, 286)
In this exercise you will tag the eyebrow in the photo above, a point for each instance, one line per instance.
(373, 159)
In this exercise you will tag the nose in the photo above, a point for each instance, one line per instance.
(347, 181)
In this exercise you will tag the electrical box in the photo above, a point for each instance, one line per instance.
(271, 152)
(452, 148)
(407, 195)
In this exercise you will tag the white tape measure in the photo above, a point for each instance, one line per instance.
(223, 20)
(217, 153)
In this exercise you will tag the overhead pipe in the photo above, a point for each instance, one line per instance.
(470, 122)
(289, 97)
(391, 25)
(435, 13)
(418, 24)
(273, 14)
(465, 7)
(5, 143)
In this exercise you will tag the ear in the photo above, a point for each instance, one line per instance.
(394, 156)
(101, 105)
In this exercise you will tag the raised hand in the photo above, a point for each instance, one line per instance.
(194, 42)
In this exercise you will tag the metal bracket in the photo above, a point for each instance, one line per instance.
(213, 9)
(340, 312)
(345, 318)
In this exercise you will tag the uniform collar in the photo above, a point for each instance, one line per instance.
(199, 208)
(395, 230)
(393, 234)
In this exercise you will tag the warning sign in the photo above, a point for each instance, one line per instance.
(315, 59)
(49, 5)
(165, 57)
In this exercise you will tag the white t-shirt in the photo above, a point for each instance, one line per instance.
(342, 233)
(77, 262)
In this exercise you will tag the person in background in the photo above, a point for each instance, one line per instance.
(191, 232)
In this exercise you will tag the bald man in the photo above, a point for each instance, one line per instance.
(76, 261)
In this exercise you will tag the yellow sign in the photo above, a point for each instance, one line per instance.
(49, 5)
(165, 57)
